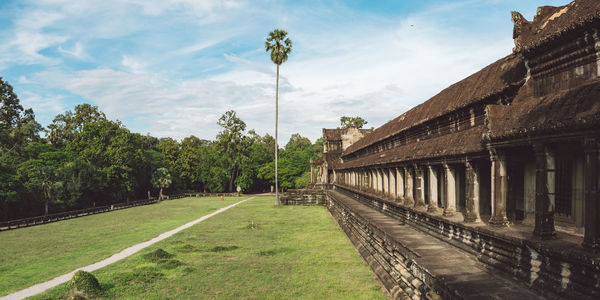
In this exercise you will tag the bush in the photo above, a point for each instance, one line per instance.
(158, 254)
(302, 181)
(85, 282)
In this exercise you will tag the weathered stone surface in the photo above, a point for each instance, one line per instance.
(430, 266)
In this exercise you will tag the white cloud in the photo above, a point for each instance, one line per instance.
(374, 67)
(134, 65)
(76, 51)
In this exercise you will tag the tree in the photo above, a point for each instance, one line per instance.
(298, 142)
(161, 179)
(280, 47)
(17, 126)
(357, 122)
(230, 142)
(65, 126)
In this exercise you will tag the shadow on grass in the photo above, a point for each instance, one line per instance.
(223, 248)
(275, 251)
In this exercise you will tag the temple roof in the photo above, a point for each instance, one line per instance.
(456, 143)
(506, 73)
(336, 134)
(563, 111)
(551, 23)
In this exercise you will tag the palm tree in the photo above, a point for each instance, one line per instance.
(161, 179)
(280, 47)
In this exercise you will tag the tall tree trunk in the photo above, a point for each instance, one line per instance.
(276, 146)
(46, 207)
(160, 195)
(230, 189)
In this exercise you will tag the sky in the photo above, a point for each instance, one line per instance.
(171, 68)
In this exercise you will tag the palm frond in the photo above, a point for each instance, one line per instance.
(279, 45)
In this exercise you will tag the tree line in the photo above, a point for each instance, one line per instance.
(83, 159)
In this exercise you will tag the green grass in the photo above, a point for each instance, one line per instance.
(253, 251)
(39, 253)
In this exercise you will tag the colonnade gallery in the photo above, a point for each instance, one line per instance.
(515, 144)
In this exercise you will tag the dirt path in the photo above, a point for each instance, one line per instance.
(41, 287)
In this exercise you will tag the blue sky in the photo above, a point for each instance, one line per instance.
(172, 67)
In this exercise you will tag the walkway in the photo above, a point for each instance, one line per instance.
(41, 287)
(460, 271)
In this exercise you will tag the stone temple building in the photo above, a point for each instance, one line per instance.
(502, 166)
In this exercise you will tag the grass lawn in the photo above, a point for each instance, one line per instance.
(252, 251)
(35, 254)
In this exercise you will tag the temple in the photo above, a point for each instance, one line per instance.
(502, 165)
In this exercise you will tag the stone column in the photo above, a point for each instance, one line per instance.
(380, 181)
(591, 237)
(544, 192)
(419, 187)
(450, 191)
(392, 172)
(499, 189)
(386, 182)
(312, 172)
(409, 199)
(373, 181)
(400, 183)
(433, 189)
(472, 192)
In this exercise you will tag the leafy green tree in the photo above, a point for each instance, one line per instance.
(114, 150)
(280, 47)
(295, 161)
(82, 183)
(259, 153)
(41, 179)
(230, 142)
(357, 122)
(161, 179)
(10, 184)
(302, 181)
(188, 163)
(17, 126)
(65, 126)
(298, 142)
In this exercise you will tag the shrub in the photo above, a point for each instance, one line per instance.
(302, 181)
(158, 254)
(85, 282)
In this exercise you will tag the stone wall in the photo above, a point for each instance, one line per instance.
(388, 259)
(557, 268)
(305, 197)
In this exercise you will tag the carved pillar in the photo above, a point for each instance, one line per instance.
(312, 172)
(386, 182)
(373, 181)
(472, 192)
(449, 190)
(409, 199)
(591, 238)
(392, 172)
(380, 180)
(419, 187)
(499, 189)
(433, 189)
(544, 192)
(400, 183)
